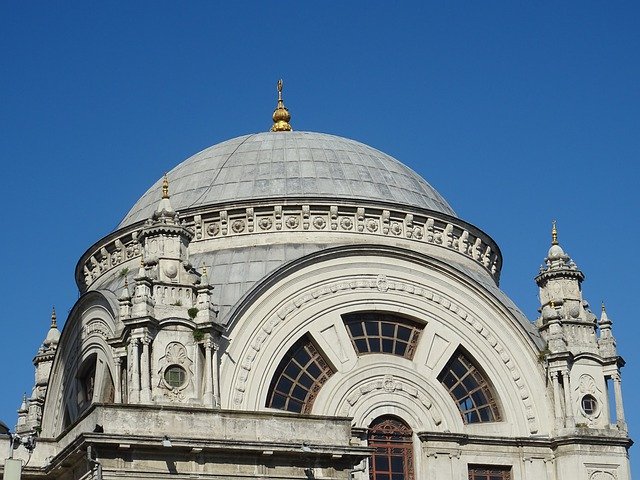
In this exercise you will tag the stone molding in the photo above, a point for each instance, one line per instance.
(432, 228)
(388, 384)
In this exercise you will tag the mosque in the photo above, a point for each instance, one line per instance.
(296, 305)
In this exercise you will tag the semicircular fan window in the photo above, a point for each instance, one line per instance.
(298, 378)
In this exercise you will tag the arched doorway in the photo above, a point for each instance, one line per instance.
(392, 458)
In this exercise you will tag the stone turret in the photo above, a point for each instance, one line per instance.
(30, 412)
(606, 342)
(565, 322)
(579, 363)
(165, 243)
(168, 291)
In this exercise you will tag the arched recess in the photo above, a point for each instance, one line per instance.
(82, 371)
(310, 298)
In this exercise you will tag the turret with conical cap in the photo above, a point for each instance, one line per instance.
(560, 283)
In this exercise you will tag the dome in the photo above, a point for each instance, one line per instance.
(294, 165)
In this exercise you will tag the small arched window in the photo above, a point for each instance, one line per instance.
(298, 378)
(378, 332)
(470, 389)
(392, 441)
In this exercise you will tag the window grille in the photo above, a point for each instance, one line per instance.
(374, 332)
(298, 378)
(489, 472)
(392, 441)
(470, 389)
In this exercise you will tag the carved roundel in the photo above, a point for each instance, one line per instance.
(319, 223)
(238, 226)
(175, 369)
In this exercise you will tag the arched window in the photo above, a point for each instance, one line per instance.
(392, 458)
(298, 378)
(376, 332)
(470, 389)
(86, 383)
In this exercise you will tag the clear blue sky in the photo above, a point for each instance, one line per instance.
(517, 112)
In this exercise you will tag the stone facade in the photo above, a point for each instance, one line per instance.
(236, 340)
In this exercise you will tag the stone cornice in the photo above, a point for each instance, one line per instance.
(548, 274)
(299, 216)
(589, 438)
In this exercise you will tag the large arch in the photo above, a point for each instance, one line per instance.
(82, 351)
(310, 297)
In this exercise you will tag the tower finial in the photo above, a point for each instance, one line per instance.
(281, 115)
(165, 187)
(604, 310)
(554, 234)
(54, 318)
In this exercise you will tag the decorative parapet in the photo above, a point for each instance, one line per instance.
(426, 227)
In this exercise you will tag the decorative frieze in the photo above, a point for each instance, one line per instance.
(442, 232)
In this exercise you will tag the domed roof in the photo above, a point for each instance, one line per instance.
(293, 165)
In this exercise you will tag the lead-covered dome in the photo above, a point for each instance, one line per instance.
(290, 165)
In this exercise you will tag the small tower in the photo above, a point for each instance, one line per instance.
(579, 363)
(30, 412)
(124, 301)
(165, 243)
(560, 282)
(606, 342)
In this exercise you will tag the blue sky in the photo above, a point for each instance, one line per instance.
(518, 113)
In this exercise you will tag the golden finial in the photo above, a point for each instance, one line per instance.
(165, 187)
(204, 269)
(554, 234)
(281, 115)
(552, 304)
(54, 323)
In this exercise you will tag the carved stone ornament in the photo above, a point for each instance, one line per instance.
(391, 385)
(265, 223)
(587, 386)
(349, 218)
(319, 223)
(175, 355)
(96, 327)
(602, 475)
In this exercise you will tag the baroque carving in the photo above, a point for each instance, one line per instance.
(319, 223)
(96, 327)
(369, 221)
(389, 384)
(175, 354)
(265, 223)
(292, 222)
